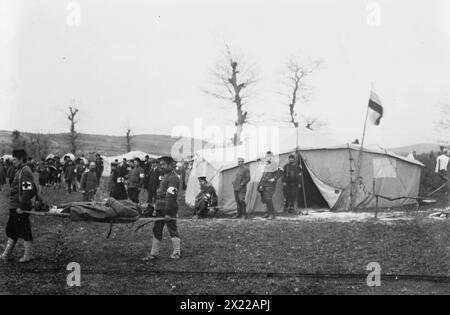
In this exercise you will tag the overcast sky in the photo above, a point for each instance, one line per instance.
(146, 63)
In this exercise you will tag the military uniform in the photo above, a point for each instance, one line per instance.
(154, 179)
(207, 197)
(240, 189)
(89, 185)
(291, 179)
(118, 190)
(166, 206)
(23, 190)
(267, 187)
(70, 176)
(136, 181)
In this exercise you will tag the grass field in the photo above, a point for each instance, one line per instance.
(233, 257)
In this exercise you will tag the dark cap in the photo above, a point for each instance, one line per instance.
(167, 159)
(202, 177)
(19, 154)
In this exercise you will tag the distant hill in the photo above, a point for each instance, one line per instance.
(419, 148)
(108, 145)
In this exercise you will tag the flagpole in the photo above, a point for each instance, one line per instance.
(359, 163)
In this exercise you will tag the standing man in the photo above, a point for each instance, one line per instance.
(268, 183)
(136, 181)
(442, 162)
(22, 192)
(167, 208)
(147, 166)
(291, 183)
(154, 178)
(118, 191)
(240, 188)
(89, 183)
(98, 166)
(79, 169)
(70, 176)
(2, 174)
(124, 167)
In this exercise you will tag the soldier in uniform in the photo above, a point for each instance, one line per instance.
(240, 188)
(291, 182)
(89, 183)
(118, 190)
(22, 192)
(2, 174)
(167, 208)
(154, 178)
(70, 176)
(267, 185)
(136, 181)
(207, 197)
(98, 166)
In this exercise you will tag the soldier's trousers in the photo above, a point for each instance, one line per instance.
(239, 197)
(71, 185)
(133, 194)
(159, 227)
(266, 197)
(151, 193)
(88, 196)
(202, 208)
(291, 194)
(18, 226)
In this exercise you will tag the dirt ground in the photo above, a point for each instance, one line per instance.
(321, 253)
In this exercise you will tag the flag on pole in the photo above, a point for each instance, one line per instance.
(375, 108)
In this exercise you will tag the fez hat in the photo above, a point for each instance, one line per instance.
(167, 159)
(19, 154)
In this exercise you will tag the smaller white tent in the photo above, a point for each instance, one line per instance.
(70, 155)
(107, 160)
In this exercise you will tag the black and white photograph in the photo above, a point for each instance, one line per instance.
(224, 153)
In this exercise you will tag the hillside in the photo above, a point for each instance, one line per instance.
(108, 145)
(419, 148)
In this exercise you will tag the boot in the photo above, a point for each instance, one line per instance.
(244, 210)
(8, 249)
(176, 244)
(156, 245)
(28, 254)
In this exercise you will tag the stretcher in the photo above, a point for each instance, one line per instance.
(110, 211)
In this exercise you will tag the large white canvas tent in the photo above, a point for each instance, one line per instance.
(330, 166)
(107, 160)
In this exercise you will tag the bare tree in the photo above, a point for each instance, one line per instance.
(128, 138)
(17, 140)
(73, 135)
(295, 88)
(39, 145)
(233, 81)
